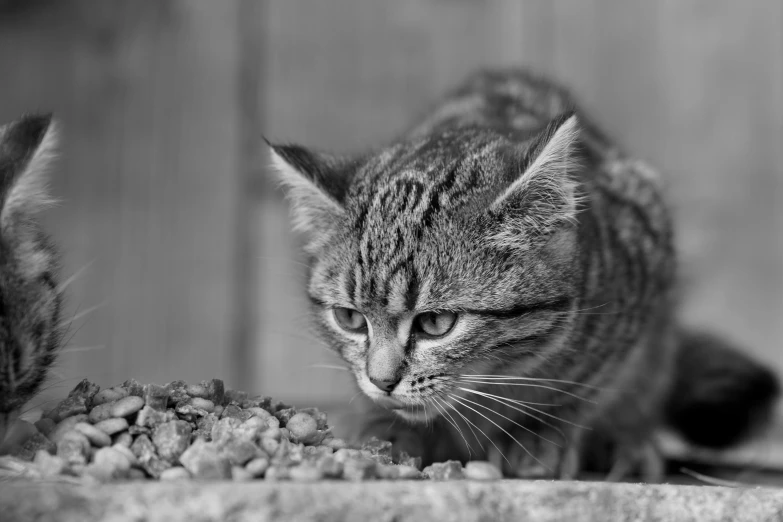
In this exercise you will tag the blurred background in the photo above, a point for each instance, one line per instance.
(181, 243)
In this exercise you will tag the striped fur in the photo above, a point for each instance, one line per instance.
(508, 207)
(29, 298)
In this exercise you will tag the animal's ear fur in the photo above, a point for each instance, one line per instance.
(544, 196)
(27, 150)
(316, 184)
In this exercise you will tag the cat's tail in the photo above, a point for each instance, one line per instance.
(721, 396)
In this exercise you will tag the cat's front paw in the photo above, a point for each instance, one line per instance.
(536, 456)
(642, 459)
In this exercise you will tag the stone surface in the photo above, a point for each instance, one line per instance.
(327, 501)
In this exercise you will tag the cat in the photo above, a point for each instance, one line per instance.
(503, 278)
(30, 301)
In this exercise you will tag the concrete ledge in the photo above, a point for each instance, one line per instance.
(386, 501)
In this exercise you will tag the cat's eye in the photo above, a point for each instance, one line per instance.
(350, 319)
(435, 324)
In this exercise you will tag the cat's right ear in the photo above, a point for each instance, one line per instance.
(315, 184)
(27, 150)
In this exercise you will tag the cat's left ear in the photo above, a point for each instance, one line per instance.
(316, 184)
(543, 196)
(27, 150)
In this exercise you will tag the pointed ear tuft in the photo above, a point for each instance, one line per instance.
(316, 185)
(544, 196)
(27, 150)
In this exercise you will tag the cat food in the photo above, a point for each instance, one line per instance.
(202, 431)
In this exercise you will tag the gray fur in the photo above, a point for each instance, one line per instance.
(508, 207)
(29, 298)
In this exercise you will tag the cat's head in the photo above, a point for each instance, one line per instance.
(448, 255)
(29, 300)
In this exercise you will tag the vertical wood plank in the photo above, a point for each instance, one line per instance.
(722, 148)
(252, 38)
(693, 87)
(146, 92)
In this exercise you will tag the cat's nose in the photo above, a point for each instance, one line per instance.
(386, 386)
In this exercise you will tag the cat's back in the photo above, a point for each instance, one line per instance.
(515, 103)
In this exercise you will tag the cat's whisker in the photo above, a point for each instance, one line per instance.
(481, 381)
(472, 425)
(70, 338)
(592, 307)
(76, 275)
(56, 384)
(534, 379)
(460, 401)
(36, 406)
(531, 403)
(447, 403)
(281, 258)
(512, 421)
(77, 349)
(329, 367)
(525, 405)
(55, 373)
(446, 415)
(79, 315)
(504, 402)
(353, 397)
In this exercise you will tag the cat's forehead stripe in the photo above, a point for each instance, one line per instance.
(401, 195)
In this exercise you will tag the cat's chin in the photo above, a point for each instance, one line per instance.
(417, 415)
(410, 413)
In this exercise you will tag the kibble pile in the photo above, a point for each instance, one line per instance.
(202, 431)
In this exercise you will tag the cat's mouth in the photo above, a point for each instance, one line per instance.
(390, 403)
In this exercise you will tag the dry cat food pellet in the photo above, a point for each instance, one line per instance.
(481, 471)
(449, 470)
(175, 474)
(97, 437)
(202, 431)
(112, 426)
(127, 406)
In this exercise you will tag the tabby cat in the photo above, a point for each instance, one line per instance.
(502, 277)
(29, 297)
